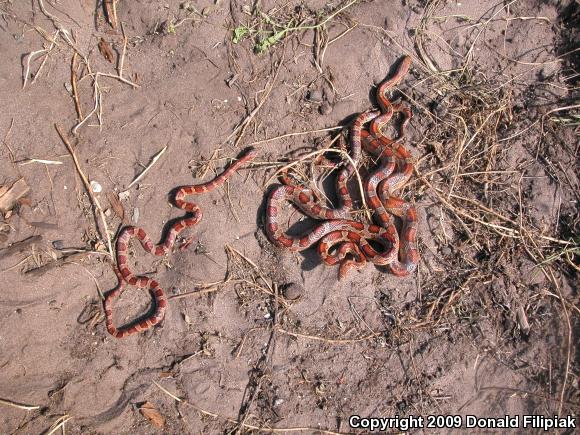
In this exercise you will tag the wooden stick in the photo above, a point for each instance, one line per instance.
(73, 82)
(94, 199)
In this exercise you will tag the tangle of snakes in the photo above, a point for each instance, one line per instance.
(344, 241)
(126, 276)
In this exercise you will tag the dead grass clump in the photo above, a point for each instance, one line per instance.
(477, 182)
(483, 154)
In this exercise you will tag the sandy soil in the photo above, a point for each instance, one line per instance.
(487, 325)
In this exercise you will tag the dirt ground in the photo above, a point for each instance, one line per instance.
(257, 339)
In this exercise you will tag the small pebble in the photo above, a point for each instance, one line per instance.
(446, 250)
(96, 187)
(123, 196)
(135, 216)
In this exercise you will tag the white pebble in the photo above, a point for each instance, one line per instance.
(96, 187)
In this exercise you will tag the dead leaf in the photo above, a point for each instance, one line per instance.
(165, 375)
(150, 413)
(116, 205)
(10, 197)
(106, 51)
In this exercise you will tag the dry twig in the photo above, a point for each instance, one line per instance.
(89, 191)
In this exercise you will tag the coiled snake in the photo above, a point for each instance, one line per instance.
(351, 238)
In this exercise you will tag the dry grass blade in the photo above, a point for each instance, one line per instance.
(121, 62)
(154, 160)
(328, 339)
(30, 57)
(43, 161)
(18, 405)
(300, 133)
(204, 291)
(5, 142)
(73, 83)
(58, 424)
(499, 229)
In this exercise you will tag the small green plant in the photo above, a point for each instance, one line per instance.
(570, 120)
(171, 28)
(266, 31)
(263, 44)
(568, 254)
(240, 33)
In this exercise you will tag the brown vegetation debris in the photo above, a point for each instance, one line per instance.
(10, 196)
(106, 50)
(151, 413)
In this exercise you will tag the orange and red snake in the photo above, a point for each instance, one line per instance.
(124, 273)
(351, 238)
